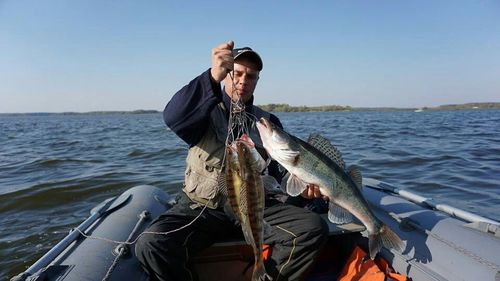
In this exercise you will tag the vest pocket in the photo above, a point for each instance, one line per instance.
(201, 185)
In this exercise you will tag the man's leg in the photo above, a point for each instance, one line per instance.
(168, 257)
(297, 238)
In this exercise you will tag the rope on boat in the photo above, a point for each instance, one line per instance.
(373, 183)
(142, 233)
(449, 243)
(113, 265)
(122, 250)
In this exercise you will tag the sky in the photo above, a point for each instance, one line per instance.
(93, 55)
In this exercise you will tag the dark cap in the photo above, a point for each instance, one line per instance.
(250, 54)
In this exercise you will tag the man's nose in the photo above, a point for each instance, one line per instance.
(243, 79)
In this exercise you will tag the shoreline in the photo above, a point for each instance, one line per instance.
(289, 108)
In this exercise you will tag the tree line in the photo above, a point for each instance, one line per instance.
(283, 107)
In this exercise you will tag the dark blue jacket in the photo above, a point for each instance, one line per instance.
(188, 112)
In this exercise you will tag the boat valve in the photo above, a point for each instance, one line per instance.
(122, 250)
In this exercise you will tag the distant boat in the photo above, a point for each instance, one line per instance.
(419, 110)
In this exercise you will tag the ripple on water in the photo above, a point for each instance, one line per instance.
(56, 168)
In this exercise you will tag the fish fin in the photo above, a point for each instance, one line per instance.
(339, 215)
(295, 186)
(355, 174)
(222, 185)
(271, 185)
(326, 147)
(385, 237)
(243, 200)
(259, 272)
(289, 155)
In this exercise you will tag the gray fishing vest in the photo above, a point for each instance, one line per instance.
(204, 160)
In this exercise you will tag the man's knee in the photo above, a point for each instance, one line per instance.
(318, 228)
(325, 229)
(143, 249)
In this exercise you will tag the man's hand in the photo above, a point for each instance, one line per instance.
(312, 191)
(222, 61)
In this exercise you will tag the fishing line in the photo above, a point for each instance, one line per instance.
(291, 252)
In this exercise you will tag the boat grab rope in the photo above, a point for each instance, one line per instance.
(142, 233)
(447, 242)
(115, 261)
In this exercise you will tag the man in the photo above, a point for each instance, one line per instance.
(198, 114)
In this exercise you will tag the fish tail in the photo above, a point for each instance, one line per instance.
(384, 237)
(259, 272)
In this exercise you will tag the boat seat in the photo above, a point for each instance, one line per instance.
(233, 257)
(333, 229)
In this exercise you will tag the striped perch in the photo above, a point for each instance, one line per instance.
(245, 194)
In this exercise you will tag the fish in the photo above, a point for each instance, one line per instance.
(245, 195)
(257, 162)
(307, 165)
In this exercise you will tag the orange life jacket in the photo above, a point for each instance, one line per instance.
(358, 268)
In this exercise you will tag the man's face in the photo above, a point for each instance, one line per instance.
(245, 75)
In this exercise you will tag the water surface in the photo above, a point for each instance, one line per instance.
(55, 168)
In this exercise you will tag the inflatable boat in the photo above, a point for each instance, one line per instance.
(442, 242)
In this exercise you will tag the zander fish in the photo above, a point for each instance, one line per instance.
(245, 195)
(309, 166)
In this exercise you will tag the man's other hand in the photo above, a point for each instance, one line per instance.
(312, 191)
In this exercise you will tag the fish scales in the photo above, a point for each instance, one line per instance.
(309, 166)
(252, 191)
(245, 193)
(334, 176)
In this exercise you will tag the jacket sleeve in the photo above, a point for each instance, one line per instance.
(187, 114)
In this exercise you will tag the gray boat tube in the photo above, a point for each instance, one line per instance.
(120, 218)
(439, 246)
(101, 210)
(428, 202)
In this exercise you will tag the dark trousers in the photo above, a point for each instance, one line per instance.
(296, 238)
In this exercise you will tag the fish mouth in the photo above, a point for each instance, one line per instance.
(265, 124)
(247, 140)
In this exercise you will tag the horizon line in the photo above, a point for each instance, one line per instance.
(138, 111)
